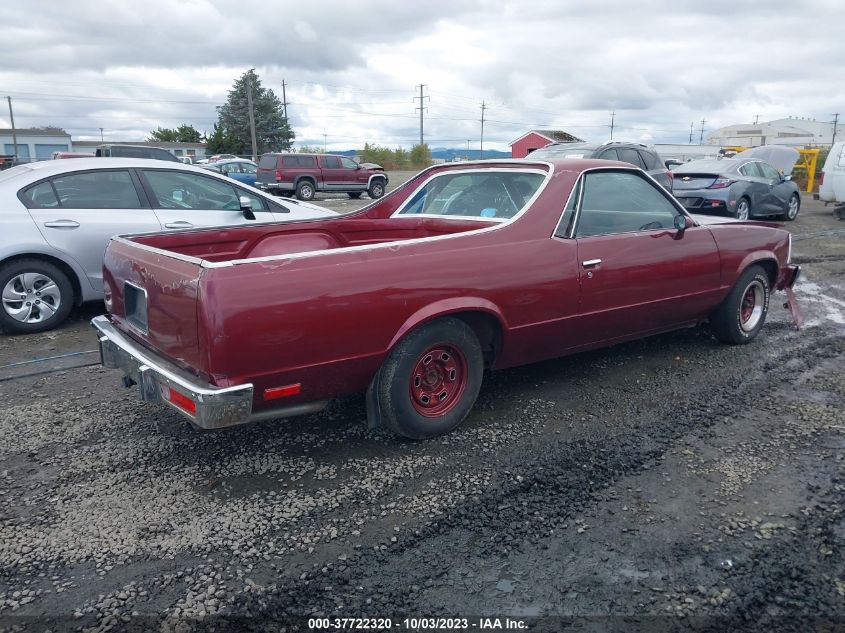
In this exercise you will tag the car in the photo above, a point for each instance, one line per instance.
(636, 154)
(135, 151)
(58, 217)
(306, 174)
(745, 186)
(832, 178)
(488, 264)
(62, 155)
(240, 169)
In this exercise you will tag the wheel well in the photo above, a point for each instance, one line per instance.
(771, 268)
(58, 263)
(488, 330)
(308, 178)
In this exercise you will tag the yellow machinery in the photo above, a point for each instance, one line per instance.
(807, 162)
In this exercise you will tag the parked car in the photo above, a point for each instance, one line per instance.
(240, 169)
(306, 174)
(485, 264)
(832, 179)
(61, 155)
(745, 186)
(58, 217)
(636, 154)
(135, 151)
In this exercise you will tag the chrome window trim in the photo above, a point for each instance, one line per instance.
(366, 247)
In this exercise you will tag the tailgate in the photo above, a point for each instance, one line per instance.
(152, 297)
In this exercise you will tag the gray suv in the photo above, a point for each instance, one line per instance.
(636, 154)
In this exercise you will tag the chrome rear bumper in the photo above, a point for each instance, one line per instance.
(205, 406)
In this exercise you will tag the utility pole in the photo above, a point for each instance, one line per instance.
(284, 101)
(701, 136)
(612, 121)
(756, 118)
(832, 140)
(325, 143)
(691, 125)
(467, 149)
(421, 109)
(14, 132)
(251, 119)
(481, 145)
(101, 135)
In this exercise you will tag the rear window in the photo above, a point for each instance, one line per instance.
(628, 155)
(268, 161)
(484, 194)
(565, 150)
(97, 190)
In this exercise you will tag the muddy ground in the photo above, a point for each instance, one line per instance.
(668, 484)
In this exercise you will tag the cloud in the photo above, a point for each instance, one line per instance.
(351, 67)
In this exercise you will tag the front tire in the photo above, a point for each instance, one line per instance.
(792, 208)
(431, 379)
(376, 189)
(741, 315)
(305, 190)
(36, 296)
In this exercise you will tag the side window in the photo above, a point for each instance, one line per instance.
(609, 154)
(176, 190)
(651, 160)
(618, 202)
(768, 171)
(268, 161)
(40, 196)
(569, 213)
(628, 155)
(246, 168)
(330, 162)
(348, 163)
(258, 204)
(483, 194)
(97, 190)
(307, 161)
(291, 161)
(751, 170)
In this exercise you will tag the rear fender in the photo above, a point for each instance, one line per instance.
(447, 307)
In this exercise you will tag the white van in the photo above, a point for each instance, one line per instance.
(832, 181)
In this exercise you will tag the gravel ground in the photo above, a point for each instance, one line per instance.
(666, 484)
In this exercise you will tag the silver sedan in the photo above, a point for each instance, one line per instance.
(58, 216)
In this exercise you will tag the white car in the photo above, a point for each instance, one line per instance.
(58, 217)
(832, 185)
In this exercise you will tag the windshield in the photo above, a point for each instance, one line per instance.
(564, 150)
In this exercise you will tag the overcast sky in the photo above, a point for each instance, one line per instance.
(352, 66)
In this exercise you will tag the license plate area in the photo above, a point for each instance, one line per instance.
(135, 302)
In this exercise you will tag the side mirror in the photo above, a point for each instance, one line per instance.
(246, 207)
(786, 177)
(680, 223)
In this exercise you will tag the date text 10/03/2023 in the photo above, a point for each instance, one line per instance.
(417, 624)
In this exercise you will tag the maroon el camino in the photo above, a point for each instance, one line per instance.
(465, 267)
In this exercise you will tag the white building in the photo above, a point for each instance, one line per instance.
(34, 143)
(793, 131)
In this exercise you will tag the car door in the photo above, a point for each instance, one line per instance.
(79, 212)
(638, 274)
(333, 173)
(184, 199)
(353, 175)
(779, 190)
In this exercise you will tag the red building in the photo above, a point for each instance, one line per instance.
(535, 139)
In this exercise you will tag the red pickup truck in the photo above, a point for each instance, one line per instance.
(465, 267)
(306, 174)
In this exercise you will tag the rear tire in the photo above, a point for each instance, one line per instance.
(305, 190)
(739, 318)
(743, 209)
(36, 296)
(431, 379)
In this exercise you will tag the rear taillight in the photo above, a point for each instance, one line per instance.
(721, 183)
(671, 176)
(278, 175)
(821, 178)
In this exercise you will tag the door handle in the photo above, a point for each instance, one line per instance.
(591, 263)
(62, 224)
(179, 224)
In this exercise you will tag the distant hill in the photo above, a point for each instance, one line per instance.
(444, 153)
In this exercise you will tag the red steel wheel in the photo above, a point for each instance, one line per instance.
(438, 380)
